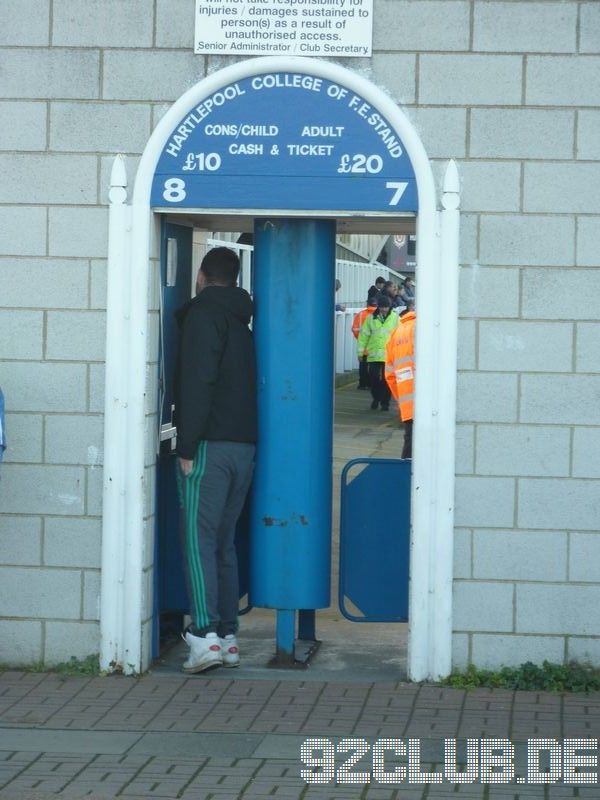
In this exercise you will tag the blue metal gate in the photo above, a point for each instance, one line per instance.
(375, 540)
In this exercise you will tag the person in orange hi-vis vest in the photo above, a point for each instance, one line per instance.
(400, 373)
(363, 372)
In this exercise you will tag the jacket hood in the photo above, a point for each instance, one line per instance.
(231, 299)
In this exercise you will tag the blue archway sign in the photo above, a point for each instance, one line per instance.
(285, 141)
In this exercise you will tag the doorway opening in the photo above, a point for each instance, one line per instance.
(375, 650)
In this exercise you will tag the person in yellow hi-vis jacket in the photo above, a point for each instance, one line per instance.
(372, 339)
(357, 322)
(400, 373)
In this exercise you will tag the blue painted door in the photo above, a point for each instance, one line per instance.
(375, 540)
(170, 593)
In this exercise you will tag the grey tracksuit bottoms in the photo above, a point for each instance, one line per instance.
(211, 499)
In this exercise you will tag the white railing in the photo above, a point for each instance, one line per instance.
(345, 354)
(356, 279)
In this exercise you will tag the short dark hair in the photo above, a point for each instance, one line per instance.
(221, 265)
(380, 279)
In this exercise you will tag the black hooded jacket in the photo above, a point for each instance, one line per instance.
(215, 379)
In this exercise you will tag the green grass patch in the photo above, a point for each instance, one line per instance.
(81, 667)
(549, 677)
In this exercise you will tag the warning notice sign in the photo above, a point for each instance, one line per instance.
(342, 28)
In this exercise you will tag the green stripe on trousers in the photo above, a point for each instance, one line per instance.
(189, 499)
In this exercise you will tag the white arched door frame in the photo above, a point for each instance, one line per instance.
(122, 589)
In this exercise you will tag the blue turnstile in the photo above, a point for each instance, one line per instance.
(375, 540)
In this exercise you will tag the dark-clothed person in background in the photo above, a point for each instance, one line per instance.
(407, 292)
(338, 286)
(390, 290)
(376, 289)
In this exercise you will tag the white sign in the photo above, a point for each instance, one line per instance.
(333, 28)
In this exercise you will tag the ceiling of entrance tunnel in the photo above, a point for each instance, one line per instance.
(244, 223)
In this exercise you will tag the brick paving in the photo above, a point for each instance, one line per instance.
(216, 737)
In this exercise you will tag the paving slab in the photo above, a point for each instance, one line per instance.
(196, 745)
(54, 741)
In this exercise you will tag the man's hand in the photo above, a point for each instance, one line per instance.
(186, 465)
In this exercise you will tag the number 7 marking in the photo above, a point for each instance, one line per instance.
(399, 188)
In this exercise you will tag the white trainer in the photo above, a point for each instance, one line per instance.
(205, 652)
(230, 651)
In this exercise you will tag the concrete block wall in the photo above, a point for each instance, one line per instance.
(512, 91)
(520, 102)
(75, 89)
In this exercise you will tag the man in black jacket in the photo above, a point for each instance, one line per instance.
(376, 289)
(216, 433)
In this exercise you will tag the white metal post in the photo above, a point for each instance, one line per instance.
(444, 527)
(115, 410)
(135, 485)
(425, 461)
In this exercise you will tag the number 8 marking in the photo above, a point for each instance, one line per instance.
(174, 190)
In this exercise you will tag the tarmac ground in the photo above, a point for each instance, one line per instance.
(243, 733)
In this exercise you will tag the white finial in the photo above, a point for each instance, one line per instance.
(451, 179)
(451, 190)
(118, 181)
